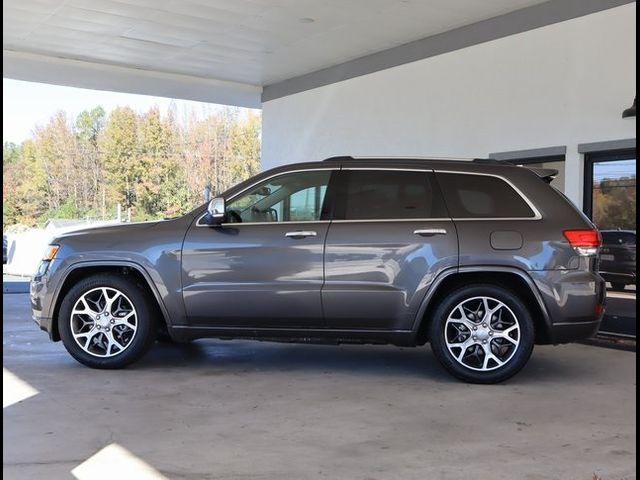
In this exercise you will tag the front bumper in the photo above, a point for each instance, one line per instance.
(46, 325)
(39, 297)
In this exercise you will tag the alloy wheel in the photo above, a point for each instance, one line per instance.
(482, 333)
(104, 322)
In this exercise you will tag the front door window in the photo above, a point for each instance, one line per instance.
(292, 197)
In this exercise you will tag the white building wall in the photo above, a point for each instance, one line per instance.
(563, 84)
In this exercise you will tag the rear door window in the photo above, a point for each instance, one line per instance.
(389, 195)
(481, 196)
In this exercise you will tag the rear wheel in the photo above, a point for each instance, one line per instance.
(107, 321)
(482, 333)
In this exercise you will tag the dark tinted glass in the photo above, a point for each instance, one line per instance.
(389, 194)
(618, 238)
(481, 196)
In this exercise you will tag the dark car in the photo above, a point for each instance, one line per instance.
(618, 258)
(478, 258)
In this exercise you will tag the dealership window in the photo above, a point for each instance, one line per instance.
(610, 201)
(554, 162)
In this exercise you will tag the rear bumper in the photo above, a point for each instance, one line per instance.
(574, 300)
(571, 332)
(627, 278)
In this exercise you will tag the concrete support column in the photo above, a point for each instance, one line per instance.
(574, 175)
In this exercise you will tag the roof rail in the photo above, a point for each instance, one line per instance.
(489, 161)
(338, 159)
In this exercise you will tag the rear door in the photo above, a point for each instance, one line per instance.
(389, 239)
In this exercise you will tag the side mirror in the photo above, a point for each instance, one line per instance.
(217, 210)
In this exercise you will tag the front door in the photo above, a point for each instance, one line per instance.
(263, 268)
(390, 237)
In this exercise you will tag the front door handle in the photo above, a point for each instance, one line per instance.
(430, 232)
(301, 234)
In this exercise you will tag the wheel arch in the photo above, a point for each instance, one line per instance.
(80, 270)
(511, 279)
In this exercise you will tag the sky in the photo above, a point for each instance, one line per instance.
(27, 104)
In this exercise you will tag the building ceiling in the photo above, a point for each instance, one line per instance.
(257, 42)
(228, 50)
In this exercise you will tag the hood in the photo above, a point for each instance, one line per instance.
(122, 230)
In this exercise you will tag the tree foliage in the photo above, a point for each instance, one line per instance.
(614, 203)
(150, 163)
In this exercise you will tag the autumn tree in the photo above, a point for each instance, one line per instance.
(118, 146)
(151, 162)
(243, 159)
(89, 126)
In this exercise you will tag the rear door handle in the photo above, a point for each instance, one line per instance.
(430, 232)
(301, 234)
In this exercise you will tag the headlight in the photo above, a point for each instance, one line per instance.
(52, 250)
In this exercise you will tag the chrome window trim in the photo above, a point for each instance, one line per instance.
(394, 220)
(240, 224)
(375, 169)
(325, 169)
(536, 213)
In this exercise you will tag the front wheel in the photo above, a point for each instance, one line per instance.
(107, 321)
(482, 334)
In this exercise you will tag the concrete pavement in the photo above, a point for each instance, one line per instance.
(244, 410)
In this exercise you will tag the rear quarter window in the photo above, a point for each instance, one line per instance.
(482, 196)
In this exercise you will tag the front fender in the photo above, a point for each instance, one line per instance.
(169, 301)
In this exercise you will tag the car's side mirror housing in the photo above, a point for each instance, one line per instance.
(217, 210)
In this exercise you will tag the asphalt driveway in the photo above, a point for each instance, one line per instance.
(245, 410)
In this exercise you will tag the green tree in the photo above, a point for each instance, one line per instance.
(244, 150)
(57, 158)
(118, 146)
(162, 190)
(614, 203)
(32, 190)
(10, 153)
(89, 126)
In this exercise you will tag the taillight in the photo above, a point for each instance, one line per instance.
(585, 242)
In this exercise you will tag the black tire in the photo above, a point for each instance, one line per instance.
(518, 359)
(618, 286)
(146, 328)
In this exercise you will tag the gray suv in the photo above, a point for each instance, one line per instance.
(480, 259)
